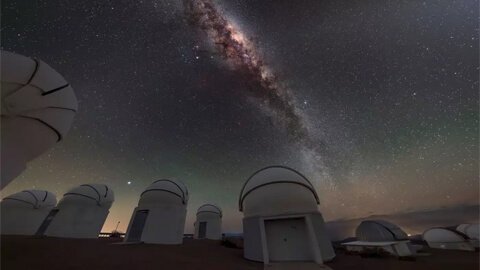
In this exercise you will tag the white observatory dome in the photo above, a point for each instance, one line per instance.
(160, 215)
(443, 235)
(89, 194)
(209, 209)
(462, 228)
(209, 222)
(445, 238)
(379, 231)
(22, 213)
(38, 106)
(277, 190)
(32, 199)
(472, 231)
(164, 191)
(81, 212)
(281, 219)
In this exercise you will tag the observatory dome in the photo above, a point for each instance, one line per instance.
(38, 106)
(22, 213)
(445, 238)
(379, 231)
(209, 209)
(32, 198)
(472, 231)
(443, 235)
(462, 227)
(164, 191)
(277, 190)
(89, 194)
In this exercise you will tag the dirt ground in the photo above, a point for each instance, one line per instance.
(432, 259)
(26, 253)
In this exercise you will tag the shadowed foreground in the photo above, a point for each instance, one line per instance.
(18, 253)
(436, 259)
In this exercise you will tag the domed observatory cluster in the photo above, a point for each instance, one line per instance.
(472, 231)
(22, 213)
(81, 212)
(382, 236)
(209, 222)
(160, 215)
(38, 106)
(281, 218)
(445, 238)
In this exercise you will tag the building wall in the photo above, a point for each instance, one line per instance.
(21, 220)
(252, 239)
(214, 225)
(77, 221)
(323, 239)
(457, 245)
(164, 224)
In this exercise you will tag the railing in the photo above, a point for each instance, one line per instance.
(122, 235)
(111, 235)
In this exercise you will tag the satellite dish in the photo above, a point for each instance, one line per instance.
(38, 107)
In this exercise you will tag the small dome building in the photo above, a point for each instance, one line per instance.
(381, 236)
(281, 218)
(38, 107)
(22, 213)
(444, 238)
(160, 215)
(209, 222)
(81, 212)
(379, 231)
(472, 231)
(462, 228)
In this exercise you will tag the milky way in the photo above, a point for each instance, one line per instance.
(263, 84)
(232, 44)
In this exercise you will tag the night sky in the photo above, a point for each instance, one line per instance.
(385, 91)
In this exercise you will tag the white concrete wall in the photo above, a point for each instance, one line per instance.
(323, 238)
(21, 220)
(252, 239)
(457, 245)
(214, 225)
(402, 249)
(77, 221)
(164, 224)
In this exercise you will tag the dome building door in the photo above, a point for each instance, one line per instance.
(287, 240)
(202, 230)
(135, 234)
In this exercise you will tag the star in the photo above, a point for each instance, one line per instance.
(394, 111)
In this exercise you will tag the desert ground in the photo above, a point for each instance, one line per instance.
(26, 253)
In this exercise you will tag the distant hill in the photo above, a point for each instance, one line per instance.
(411, 222)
